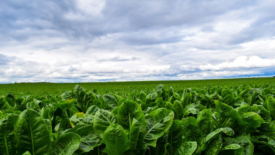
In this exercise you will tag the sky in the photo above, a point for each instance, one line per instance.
(135, 40)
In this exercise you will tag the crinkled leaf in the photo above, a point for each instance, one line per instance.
(178, 110)
(191, 131)
(259, 109)
(205, 121)
(151, 97)
(4, 105)
(110, 100)
(134, 133)
(66, 95)
(228, 131)
(129, 110)
(92, 110)
(67, 104)
(232, 147)
(116, 140)
(102, 120)
(271, 105)
(242, 140)
(66, 144)
(45, 113)
(227, 111)
(78, 89)
(214, 146)
(159, 121)
(27, 153)
(32, 134)
(187, 148)
(33, 105)
(7, 123)
(175, 136)
(89, 138)
(253, 119)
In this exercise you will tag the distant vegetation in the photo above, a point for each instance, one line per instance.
(109, 87)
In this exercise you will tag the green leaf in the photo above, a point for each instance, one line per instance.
(175, 136)
(151, 97)
(159, 121)
(67, 104)
(205, 121)
(259, 109)
(187, 148)
(129, 110)
(191, 109)
(186, 98)
(77, 117)
(78, 89)
(178, 110)
(89, 138)
(4, 105)
(33, 105)
(134, 133)
(242, 140)
(227, 111)
(92, 110)
(65, 124)
(271, 105)
(232, 147)
(66, 95)
(7, 123)
(268, 129)
(45, 113)
(31, 133)
(205, 142)
(116, 140)
(214, 146)
(27, 153)
(66, 144)
(142, 96)
(102, 120)
(176, 96)
(110, 100)
(191, 131)
(254, 120)
(265, 147)
(228, 131)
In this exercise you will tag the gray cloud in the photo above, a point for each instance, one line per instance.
(95, 40)
(30, 17)
(4, 60)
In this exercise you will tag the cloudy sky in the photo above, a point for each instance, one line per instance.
(126, 40)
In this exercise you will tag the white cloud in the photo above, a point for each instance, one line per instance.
(91, 40)
(241, 62)
(91, 7)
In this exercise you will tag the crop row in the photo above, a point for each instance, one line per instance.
(163, 121)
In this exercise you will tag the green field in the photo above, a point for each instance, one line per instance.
(198, 117)
(107, 87)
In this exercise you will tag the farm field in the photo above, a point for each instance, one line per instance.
(198, 117)
(109, 87)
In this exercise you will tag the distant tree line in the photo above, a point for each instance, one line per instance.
(33, 82)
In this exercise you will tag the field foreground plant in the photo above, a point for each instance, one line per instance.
(163, 121)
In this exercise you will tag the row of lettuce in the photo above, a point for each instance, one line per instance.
(208, 121)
